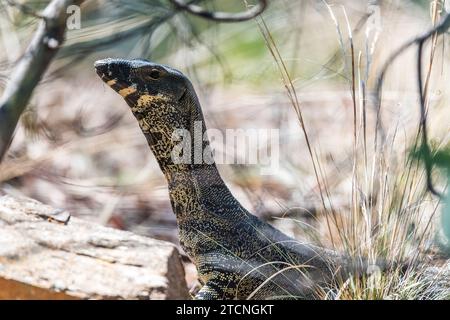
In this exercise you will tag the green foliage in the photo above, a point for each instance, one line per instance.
(440, 159)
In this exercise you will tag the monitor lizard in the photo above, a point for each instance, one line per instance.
(237, 255)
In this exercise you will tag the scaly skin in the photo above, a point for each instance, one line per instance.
(236, 254)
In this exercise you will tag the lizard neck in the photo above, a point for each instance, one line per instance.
(195, 185)
(197, 191)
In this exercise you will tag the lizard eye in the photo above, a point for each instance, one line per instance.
(155, 74)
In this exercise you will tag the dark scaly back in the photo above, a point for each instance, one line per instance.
(234, 252)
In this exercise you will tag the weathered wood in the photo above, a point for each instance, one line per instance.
(44, 255)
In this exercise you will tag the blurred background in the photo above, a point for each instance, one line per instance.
(79, 148)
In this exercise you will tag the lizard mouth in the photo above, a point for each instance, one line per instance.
(110, 69)
(106, 71)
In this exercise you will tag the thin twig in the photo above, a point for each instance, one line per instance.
(425, 148)
(221, 16)
(442, 27)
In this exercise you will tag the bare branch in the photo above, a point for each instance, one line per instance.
(30, 68)
(440, 28)
(425, 149)
(221, 16)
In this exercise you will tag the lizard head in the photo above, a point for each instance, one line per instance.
(161, 98)
(134, 79)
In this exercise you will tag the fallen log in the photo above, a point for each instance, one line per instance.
(46, 254)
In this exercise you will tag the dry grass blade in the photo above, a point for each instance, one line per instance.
(293, 98)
